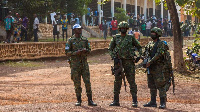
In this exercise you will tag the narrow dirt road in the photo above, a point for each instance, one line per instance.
(48, 87)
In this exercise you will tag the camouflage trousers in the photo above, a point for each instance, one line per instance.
(129, 70)
(78, 69)
(156, 80)
(167, 78)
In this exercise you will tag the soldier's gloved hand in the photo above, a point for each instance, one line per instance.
(116, 60)
(137, 59)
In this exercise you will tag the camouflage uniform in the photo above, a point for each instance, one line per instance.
(167, 71)
(123, 48)
(156, 79)
(79, 66)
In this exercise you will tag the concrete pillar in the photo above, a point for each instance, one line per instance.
(124, 5)
(45, 19)
(83, 20)
(99, 10)
(136, 8)
(112, 8)
(162, 10)
(154, 7)
(145, 9)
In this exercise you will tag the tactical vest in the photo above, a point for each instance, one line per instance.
(124, 46)
(153, 51)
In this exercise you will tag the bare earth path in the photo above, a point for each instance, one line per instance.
(48, 87)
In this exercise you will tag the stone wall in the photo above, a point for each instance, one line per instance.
(35, 50)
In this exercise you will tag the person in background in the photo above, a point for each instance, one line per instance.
(55, 29)
(9, 20)
(101, 28)
(105, 30)
(114, 26)
(64, 23)
(24, 28)
(143, 28)
(148, 27)
(72, 22)
(110, 26)
(137, 34)
(165, 27)
(35, 27)
(17, 28)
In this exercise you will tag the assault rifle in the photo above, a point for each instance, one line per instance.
(119, 72)
(145, 61)
(172, 79)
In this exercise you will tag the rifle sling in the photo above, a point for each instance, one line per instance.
(155, 47)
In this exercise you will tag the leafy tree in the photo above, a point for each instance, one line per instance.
(178, 39)
(121, 15)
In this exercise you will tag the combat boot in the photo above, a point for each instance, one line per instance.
(90, 102)
(78, 103)
(162, 103)
(116, 101)
(134, 104)
(152, 103)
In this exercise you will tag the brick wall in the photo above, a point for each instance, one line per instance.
(35, 50)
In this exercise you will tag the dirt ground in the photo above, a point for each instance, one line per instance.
(45, 85)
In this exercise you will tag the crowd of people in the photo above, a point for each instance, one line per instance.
(16, 26)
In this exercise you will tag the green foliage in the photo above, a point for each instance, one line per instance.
(196, 46)
(121, 15)
(191, 6)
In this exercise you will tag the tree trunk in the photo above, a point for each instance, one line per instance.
(179, 64)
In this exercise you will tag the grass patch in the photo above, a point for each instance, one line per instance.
(21, 64)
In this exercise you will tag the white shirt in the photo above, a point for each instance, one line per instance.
(148, 25)
(35, 23)
(101, 13)
(52, 17)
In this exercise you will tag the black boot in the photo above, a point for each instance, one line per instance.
(152, 103)
(116, 101)
(134, 104)
(78, 103)
(162, 103)
(90, 102)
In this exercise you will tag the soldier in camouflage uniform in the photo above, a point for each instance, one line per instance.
(156, 79)
(122, 47)
(77, 49)
(167, 67)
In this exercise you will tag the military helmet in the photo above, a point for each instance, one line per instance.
(157, 30)
(123, 24)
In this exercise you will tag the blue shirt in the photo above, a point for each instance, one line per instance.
(8, 21)
(77, 21)
(95, 13)
(88, 11)
(64, 23)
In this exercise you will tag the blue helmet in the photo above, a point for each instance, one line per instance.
(77, 26)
